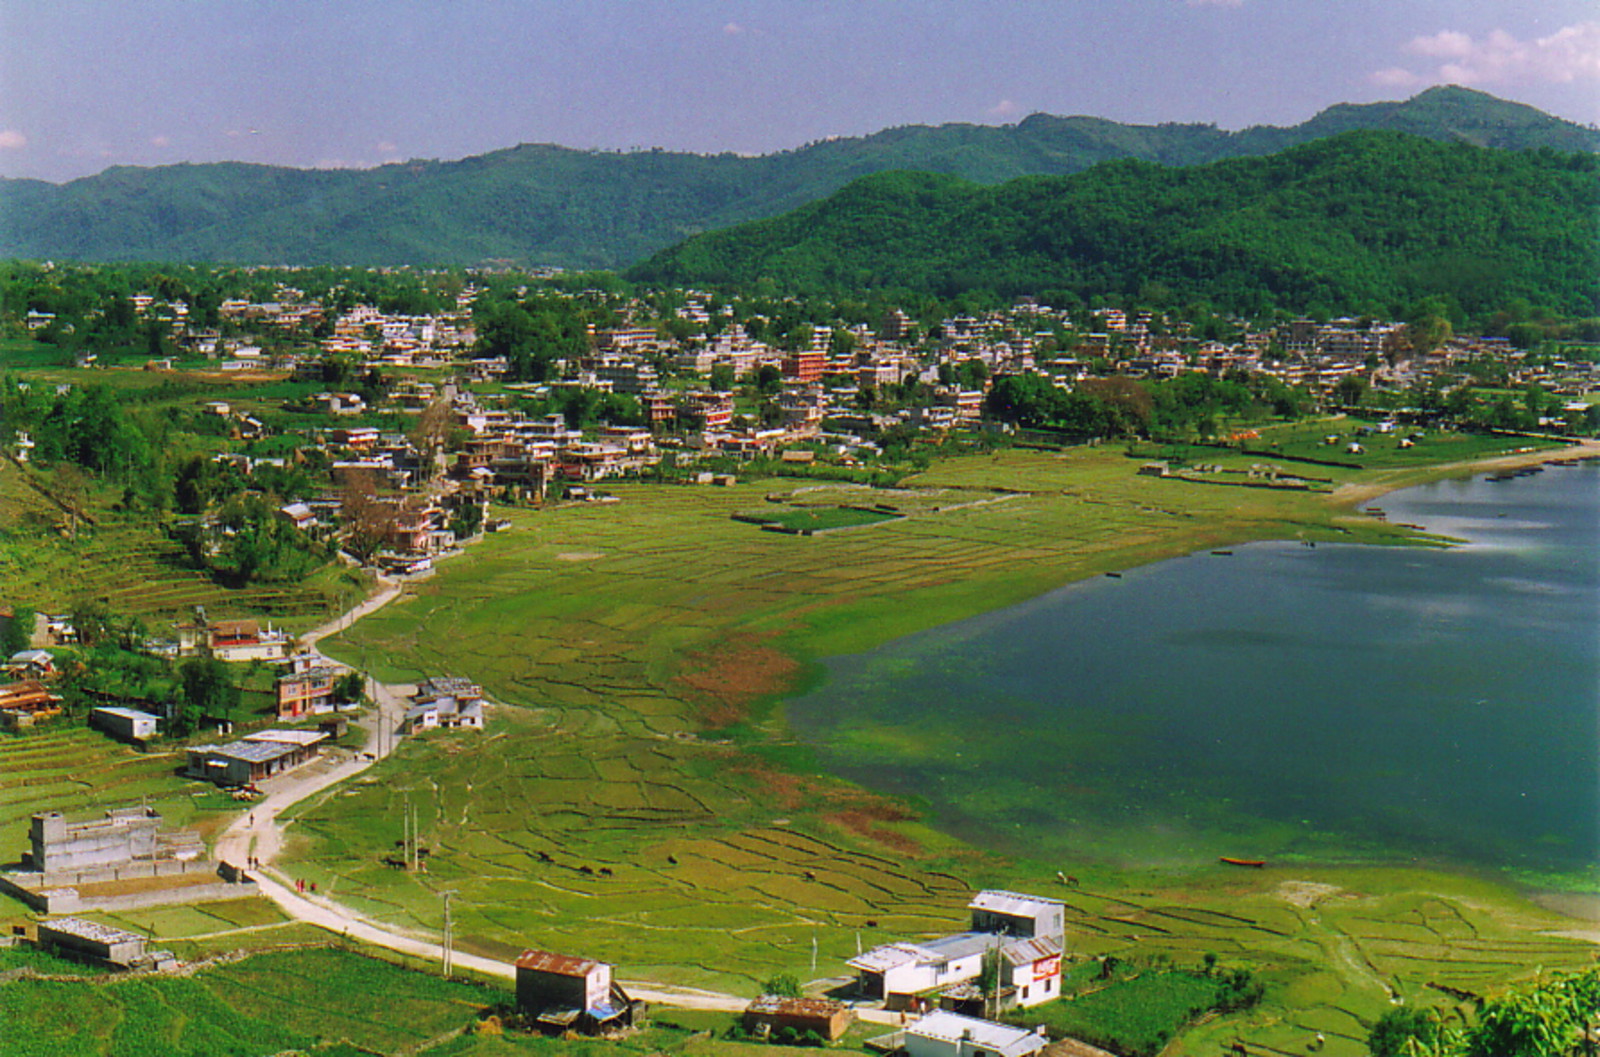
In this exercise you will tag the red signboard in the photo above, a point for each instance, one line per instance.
(1045, 968)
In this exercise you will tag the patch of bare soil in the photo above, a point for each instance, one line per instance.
(724, 683)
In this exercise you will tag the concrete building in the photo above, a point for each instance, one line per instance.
(124, 835)
(92, 942)
(945, 1034)
(1014, 914)
(563, 993)
(307, 690)
(1024, 935)
(253, 758)
(125, 724)
(899, 972)
(445, 701)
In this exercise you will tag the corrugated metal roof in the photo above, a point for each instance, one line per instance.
(882, 959)
(287, 737)
(795, 1007)
(1031, 949)
(950, 1027)
(559, 964)
(1012, 903)
(126, 713)
(248, 751)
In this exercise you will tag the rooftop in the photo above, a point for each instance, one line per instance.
(1011, 903)
(559, 964)
(953, 1027)
(795, 1007)
(90, 930)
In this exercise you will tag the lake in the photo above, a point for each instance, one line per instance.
(1335, 703)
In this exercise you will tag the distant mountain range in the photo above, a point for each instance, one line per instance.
(1363, 221)
(542, 204)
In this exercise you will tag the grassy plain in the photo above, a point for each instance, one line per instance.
(642, 800)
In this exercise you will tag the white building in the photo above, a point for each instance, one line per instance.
(944, 1034)
(896, 971)
(1015, 914)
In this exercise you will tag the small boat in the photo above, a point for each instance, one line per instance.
(1115, 576)
(1257, 863)
(1223, 554)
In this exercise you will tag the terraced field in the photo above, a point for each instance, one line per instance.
(75, 770)
(126, 561)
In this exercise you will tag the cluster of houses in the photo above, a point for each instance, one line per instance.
(1009, 958)
(25, 698)
(1019, 937)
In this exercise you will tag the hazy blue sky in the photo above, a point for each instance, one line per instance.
(89, 83)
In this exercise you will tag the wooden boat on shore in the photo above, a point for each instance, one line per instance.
(1256, 863)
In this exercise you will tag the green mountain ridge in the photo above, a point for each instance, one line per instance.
(545, 204)
(1355, 222)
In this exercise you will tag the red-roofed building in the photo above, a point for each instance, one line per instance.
(562, 993)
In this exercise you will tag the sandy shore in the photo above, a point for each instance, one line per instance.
(1356, 494)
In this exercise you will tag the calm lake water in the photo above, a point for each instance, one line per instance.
(1329, 703)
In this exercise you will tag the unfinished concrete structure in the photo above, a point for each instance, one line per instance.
(125, 836)
(74, 866)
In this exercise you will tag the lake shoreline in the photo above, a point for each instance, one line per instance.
(1576, 906)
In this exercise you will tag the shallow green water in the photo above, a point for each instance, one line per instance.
(1328, 703)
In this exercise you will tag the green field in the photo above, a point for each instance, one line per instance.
(268, 1003)
(320, 1000)
(642, 802)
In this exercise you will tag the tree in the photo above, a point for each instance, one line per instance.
(1350, 389)
(722, 377)
(351, 687)
(16, 631)
(431, 433)
(368, 520)
(1403, 1030)
(206, 690)
(783, 985)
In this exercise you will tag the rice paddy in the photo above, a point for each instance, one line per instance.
(636, 796)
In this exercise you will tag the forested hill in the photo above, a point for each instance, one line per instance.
(1362, 221)
(540, 204)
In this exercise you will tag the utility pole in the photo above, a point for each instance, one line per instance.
(410, 836)
(449, 932)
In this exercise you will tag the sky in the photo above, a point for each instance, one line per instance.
(87, 84)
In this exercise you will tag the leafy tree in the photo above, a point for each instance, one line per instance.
(722, 377)
(206, 690)
(783, 985)
(350, 687)
(16, 631)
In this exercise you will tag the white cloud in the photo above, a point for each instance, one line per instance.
(1572, 53)
(1396, 77)
(11, 139)
(1003, 109)
(1214, 3)
(160, 141)
(387, 147)
(733, 29)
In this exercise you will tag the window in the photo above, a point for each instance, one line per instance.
(1024, 993)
